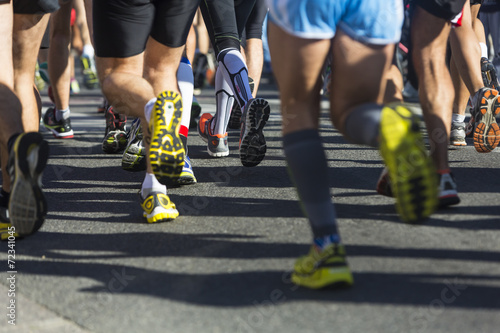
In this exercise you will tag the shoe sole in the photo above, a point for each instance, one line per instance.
(411, 172)
(27, 204)
(219, 154)
(166, 152)
(324, 278)
(186, 180)
(162, 217)
(114, 142)
(448, 200)
(252, 141)
(134, 158)
(486, 132)
(458, 143)
(58, 135)
(133, 163)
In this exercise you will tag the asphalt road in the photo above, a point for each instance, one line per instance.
(224, 264)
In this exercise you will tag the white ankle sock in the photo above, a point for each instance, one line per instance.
(148, 108)
(484, 50)
(151, 184)
(458, 118)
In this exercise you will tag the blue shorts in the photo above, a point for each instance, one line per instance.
(368, 21)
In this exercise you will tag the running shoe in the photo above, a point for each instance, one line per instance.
(39, 82)
(235, 117)
(327, 268)
(457, 135)
(74, 86)
(134, 156)
(200, 65)
(410, 93)
(448, 194)
(27, 204)
(252, 142)
(115, 136)
(158, 208)
(411, 171)
(195, 112)
(90, 79)
(217, 145)
(61, 129)
(4, 206)
(327, 78)
(486, 132)
(384, 184)
(166, 152)
(6, 231)
(187, 175)
(43, 69)
(489, 74)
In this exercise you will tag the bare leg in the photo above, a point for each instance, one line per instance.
(255, 60)
(191, 45)
(10, 106)
(27, 43)
(429, 35)
(160, 66)
(298, 78)
(354, 59)
(203, 40)
(466, 52)
(123, 84)
(59, 69)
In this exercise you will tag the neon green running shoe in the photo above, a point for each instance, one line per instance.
(327, 268)
(411, 171)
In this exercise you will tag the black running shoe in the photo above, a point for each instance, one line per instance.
(115, 138)
(200, 65)
(27, 205)
(134, 156)
(61, 129)
(252, 142)
(489, 74)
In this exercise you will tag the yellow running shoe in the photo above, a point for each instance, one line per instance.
(411, 171)
(158, 208)
(166, 152)
(327, 268)
(7, 230)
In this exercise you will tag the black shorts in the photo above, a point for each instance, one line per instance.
(225, 21)
(476, 2)
(253, 28)
(122, 27)
(445, 9)
(35, 6)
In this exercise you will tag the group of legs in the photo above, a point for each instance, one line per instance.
(23, 151)
(144, 70)
(361, 46)
(138, 56)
